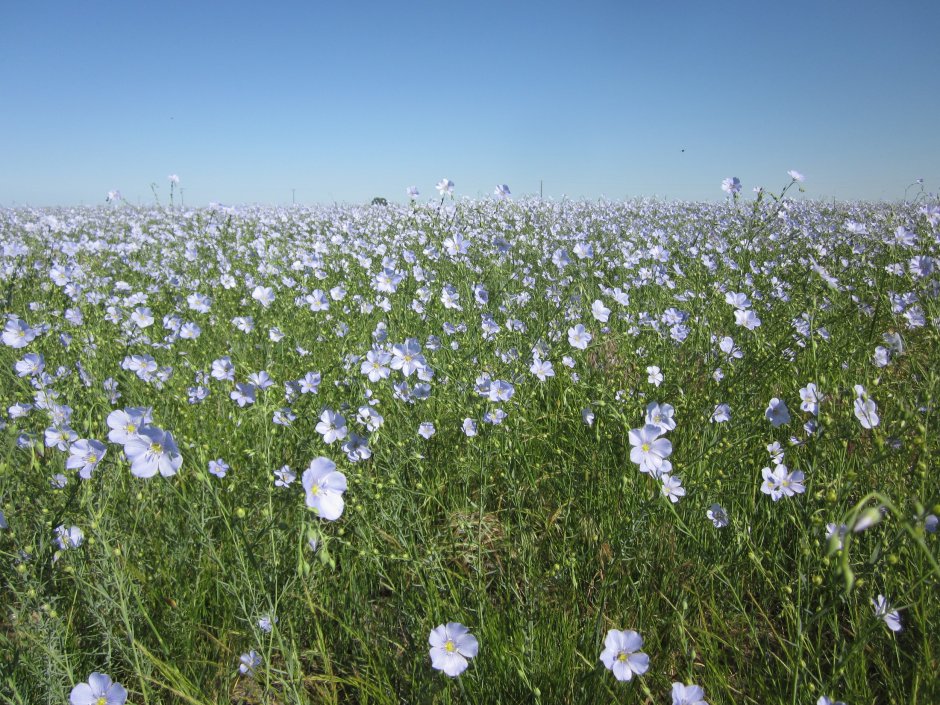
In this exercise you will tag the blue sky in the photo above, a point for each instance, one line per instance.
(346, 101)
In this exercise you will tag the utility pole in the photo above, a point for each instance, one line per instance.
(540, 189)
(182, 202)
(293, 200)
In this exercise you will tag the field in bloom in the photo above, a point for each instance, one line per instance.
(471, 451)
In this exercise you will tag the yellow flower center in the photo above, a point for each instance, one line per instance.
(449, 646)
(622, 656)
(92, 459)
(155, 447)
(130, 428)
(315, 490)
(646, 447)
(101, 701)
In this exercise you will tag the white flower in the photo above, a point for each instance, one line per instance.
(655, 375)
(445, 186)
(795, 175)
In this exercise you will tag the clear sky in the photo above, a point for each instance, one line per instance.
(346, 101)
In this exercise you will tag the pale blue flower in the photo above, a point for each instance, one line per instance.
(332, 426)
(223, 369)
(622, 654)
(243, 394)
(866, 411)
(84, 455)
(661, 416)
(153, 450)
(30, 366)
(687, 694)
(721, 414)
(283, 477)
(247, 663)
(324, 487)
(264, 295)
(780, 482)
(826, 700)
(672, 487)
(777, 412)
(69, 537)
(452, 645)
(218, 467)
(17, 333)
(890, 616)
(718, 516)
(731, 185)
(578, 337)
(649, 451)
(99, 690)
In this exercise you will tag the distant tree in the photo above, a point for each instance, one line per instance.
(379, 201)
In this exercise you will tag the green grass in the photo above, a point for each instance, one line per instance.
(539, 534)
